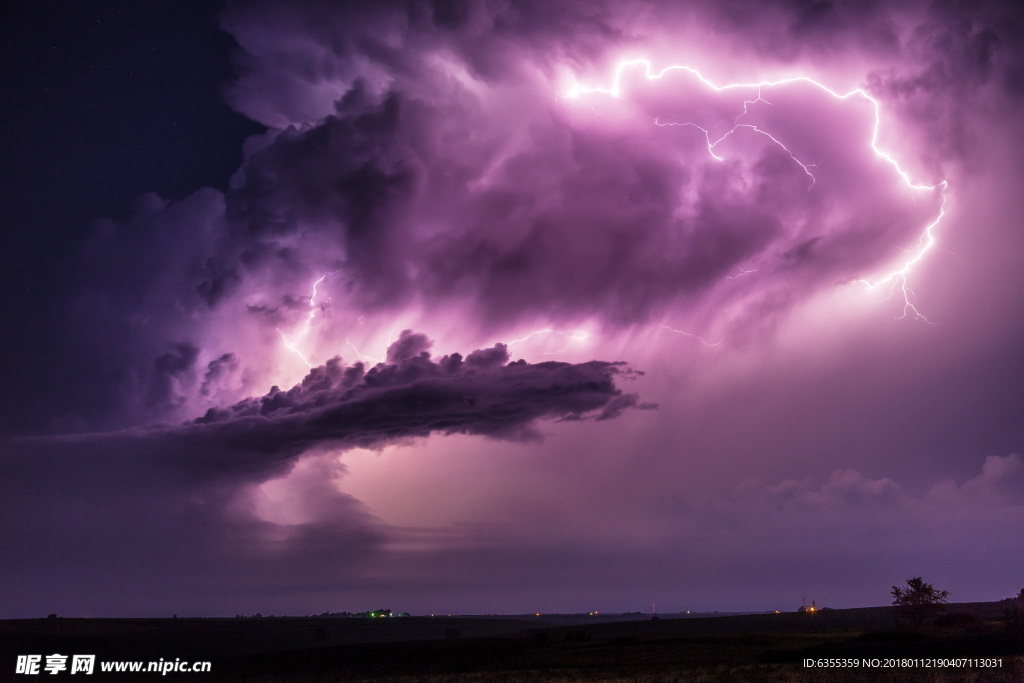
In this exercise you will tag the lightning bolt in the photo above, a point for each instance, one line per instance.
(688, 334)
(738, 276)
(711, 145)
(897, 279)
(572, 335)
(362, 355)
(580, 335)
(295, 350)
(308, 323)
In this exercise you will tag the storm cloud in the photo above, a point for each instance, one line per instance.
(801, 220)
(356, 407)
(507, 166)
(191, 485)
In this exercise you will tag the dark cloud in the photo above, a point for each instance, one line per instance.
(410, 344)
(423, 171)
(422, 158)
(222, 280)
(791, 29)
(169, 503)
(171, 369)
(413, 396)
(348, 407)
(664, 221)
(217, 370)
(434, 186)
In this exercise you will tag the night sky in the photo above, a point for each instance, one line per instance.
(509, 306)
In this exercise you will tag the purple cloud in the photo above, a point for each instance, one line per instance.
(358, 407)
(448, 162)
(489, 175)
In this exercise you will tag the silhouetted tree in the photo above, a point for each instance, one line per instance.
(919, 600)
(1013, 610)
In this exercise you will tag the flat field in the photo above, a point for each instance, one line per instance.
(843, 645)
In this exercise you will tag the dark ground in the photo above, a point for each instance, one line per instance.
(764, 647)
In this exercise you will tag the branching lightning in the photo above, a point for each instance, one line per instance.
(308, 325)
(896, 279)
(711, 145)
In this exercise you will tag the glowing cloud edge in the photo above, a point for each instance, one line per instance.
(898, 277)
